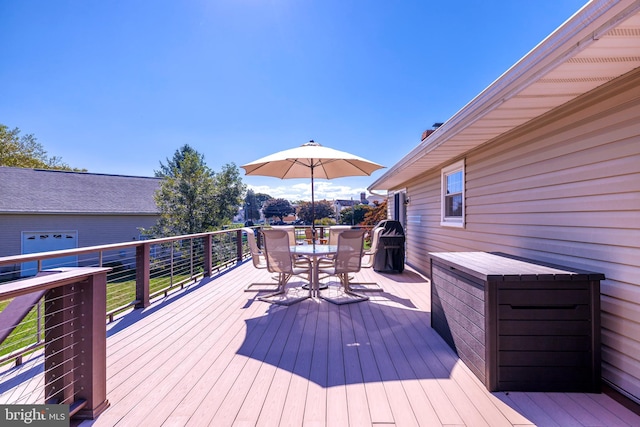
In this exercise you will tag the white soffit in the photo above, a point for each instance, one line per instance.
(598, 44)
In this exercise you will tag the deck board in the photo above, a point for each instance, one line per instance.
(218, 356)
(315, 413)
(337, 412)
(358, 407)
(377, 400)
(303, 337)
(213, 354)
(416, 350)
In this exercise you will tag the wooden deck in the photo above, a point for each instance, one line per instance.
(215, 355)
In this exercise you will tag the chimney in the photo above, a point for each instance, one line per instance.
(426, 133)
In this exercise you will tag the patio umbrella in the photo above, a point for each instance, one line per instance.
(311, 160)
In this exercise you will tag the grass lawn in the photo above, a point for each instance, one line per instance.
(121, 291)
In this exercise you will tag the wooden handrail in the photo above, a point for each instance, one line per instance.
(63, 276)
(15, 259)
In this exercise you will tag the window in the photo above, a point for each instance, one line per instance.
(453, 195)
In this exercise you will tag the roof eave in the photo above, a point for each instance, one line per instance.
(579, 32)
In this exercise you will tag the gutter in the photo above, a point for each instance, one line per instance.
(565, 42)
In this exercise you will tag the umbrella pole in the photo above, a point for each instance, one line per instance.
(313, 212)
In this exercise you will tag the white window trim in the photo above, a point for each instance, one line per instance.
(452, 221)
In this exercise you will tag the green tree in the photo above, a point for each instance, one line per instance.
(376, 214)
(277, 207)
(174, 165)
(192, 198)
(323, 209)
(262, 198)
(354, 215)
(251, 207)
(26, 152)
(228, 193)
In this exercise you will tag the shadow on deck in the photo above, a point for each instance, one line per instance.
(213, 354)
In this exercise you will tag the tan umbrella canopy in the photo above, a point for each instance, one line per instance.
(311, 160)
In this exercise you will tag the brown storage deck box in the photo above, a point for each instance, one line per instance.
(517, 324)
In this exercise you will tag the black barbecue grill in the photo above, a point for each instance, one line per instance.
(389, 257)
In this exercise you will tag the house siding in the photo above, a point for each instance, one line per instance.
(565, 189)
(92, 229)
(101, 208)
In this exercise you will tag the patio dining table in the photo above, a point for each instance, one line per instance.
(314, 253)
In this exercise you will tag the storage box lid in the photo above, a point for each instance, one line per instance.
(498, 266)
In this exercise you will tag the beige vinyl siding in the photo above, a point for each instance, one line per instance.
(565, 189)
(391, 206)
(91, 230)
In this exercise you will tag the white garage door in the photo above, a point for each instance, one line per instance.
(45, 241)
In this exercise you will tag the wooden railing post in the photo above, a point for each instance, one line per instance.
(238, 245)
(208, 246)
(142, 275)
(91, 347)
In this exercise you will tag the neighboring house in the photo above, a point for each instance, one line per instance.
(43, 210)
(239, 217)
(545, 164)
(340, 204)
(373, 199)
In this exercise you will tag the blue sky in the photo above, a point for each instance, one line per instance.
(117, 86)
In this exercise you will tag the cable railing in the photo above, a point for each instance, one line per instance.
(43, 324)
(54, 308)
(67, 363)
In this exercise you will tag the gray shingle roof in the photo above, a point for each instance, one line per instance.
(47, 191)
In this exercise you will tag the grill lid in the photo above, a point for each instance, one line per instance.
(391, 228)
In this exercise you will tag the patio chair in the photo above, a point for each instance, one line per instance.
(259, 262)
(308, 235)
(348, 259)
(369, 255)
(291, 232)
(334, 231)
(368, 258)
(280, 260)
